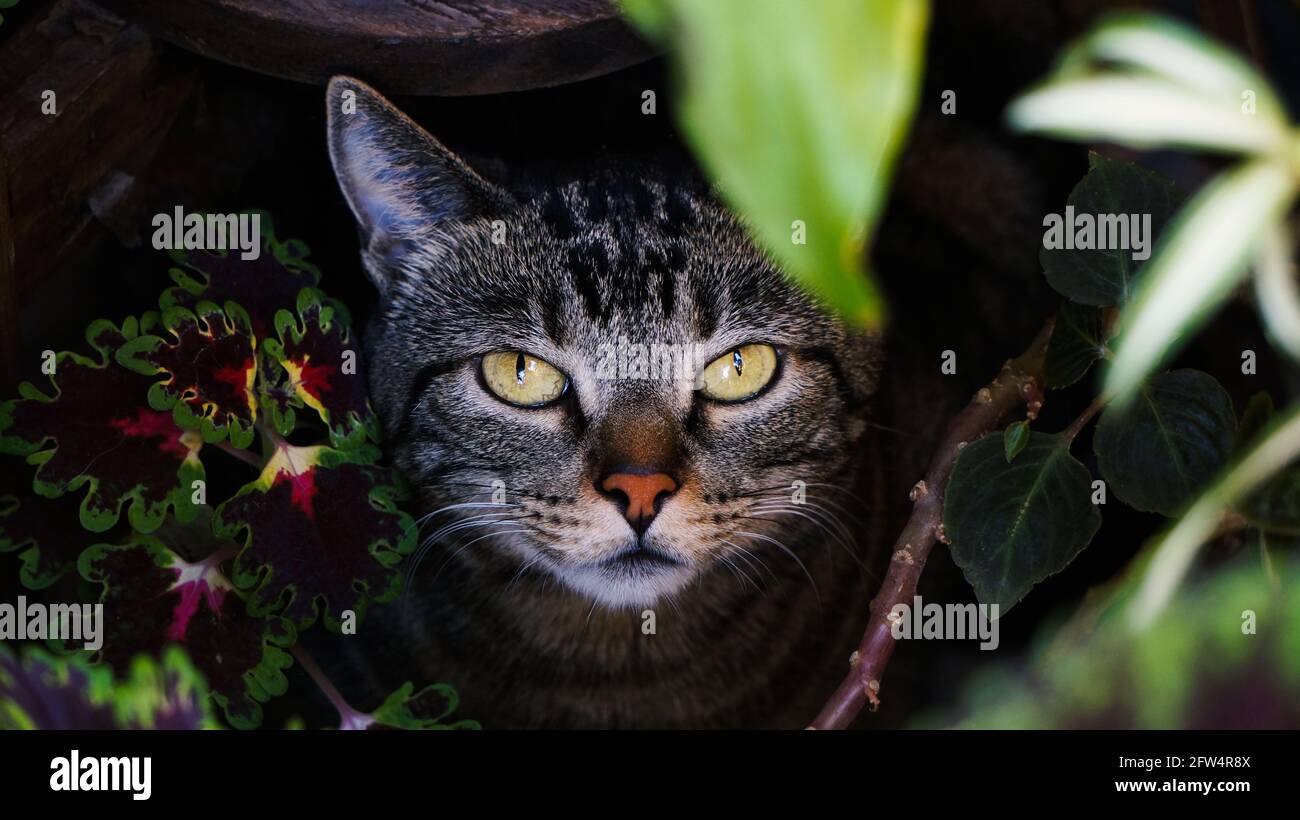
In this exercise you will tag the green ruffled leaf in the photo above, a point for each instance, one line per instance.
(261, 286)
(97, 431)
(1013, 524)
(1160, 451)
(424, 710)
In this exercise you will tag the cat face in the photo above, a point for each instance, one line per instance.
(602, 380)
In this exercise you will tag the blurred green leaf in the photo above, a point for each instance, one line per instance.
(1148, 81)
(1196, 266)
(1013, 524)
(798, 111)
(1106, 276)
(1163, 565)
(1276, 291)
(1224, 656)
(1166, 446)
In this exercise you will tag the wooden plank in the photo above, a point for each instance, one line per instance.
(444, 47)
(114, 105)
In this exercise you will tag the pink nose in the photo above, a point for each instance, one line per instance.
(641, 493)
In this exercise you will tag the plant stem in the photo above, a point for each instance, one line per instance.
(1018, 383)
(349, 718)
(1082, 421)
(243, 455)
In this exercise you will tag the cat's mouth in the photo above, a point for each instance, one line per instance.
(641, 557)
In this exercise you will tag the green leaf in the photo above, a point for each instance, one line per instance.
(1012, 525)
(1200, 261)
(426, 709)
(798, 111)
(1160, 451)
(1078, 339)
(1014, 439)
(1255, 419)
(1105, 276)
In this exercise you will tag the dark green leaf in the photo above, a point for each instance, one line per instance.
(1078, 340)
(1012, 525)
(1159, 451)
(1254, 419)
(1104, 277)
(1014, 439)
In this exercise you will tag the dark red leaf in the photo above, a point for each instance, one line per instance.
(98, 431)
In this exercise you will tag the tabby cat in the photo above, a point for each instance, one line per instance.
(604, 544)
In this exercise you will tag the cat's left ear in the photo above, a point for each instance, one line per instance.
(398, 180)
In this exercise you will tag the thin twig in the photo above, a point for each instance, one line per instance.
(1018, 383)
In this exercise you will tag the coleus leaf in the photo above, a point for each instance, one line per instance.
(1159, 451)
(42, 691)
(209, 356)
(46, 533)
(1104, 277)
(408, 709)
(262, 286)
(1013, 524)
(316, 350)
(98, 431)
(321, 532)
(154, 598)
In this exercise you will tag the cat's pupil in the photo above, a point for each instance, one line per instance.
(519, 369)
(738, 361)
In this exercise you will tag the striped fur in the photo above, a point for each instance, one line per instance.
(509, 602)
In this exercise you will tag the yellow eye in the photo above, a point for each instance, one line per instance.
(518, 378)
(739, 374)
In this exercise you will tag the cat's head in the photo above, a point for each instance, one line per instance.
(602, 379)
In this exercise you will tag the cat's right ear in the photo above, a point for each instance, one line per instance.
(400, 182)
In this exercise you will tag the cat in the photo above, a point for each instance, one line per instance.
(688, 550)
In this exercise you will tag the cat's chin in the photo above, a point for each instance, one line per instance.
(626, 585)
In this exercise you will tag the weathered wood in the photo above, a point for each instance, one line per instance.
(447, 47)
(114, 107)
